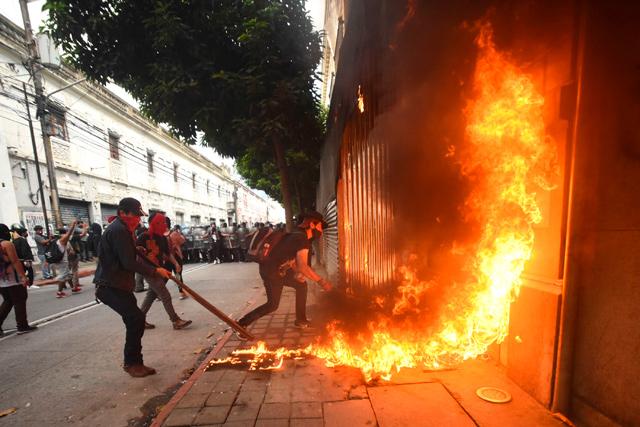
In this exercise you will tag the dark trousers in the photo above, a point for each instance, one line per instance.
(14, 297)
(273, 285)
(84, 250)
(124, 303)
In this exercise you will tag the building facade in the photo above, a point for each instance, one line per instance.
(104, 149)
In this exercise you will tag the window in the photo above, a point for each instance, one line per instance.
(207, 186)
(193, 180)
(195, 219)
(180, 218)
(56, 122)
(114, 145)
(175, 172)
(150, 155)
(219, 192)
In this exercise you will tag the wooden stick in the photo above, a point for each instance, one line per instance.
(206, 304)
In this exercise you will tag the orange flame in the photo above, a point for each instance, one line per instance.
(507, 156)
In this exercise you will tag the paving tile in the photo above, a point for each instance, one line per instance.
(193, 400)
(181, 417)
(202, 387)
(402, 405)
(350, 413)
(275, 410)
(278, 395)
(273, 423)
(221, 398)
(211, 415)
(307, 422)
(306, 410)
(211, 377)
(246, 406)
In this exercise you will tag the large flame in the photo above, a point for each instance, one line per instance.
(506, 156)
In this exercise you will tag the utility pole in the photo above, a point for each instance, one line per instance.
(34, 68)
(35, 158)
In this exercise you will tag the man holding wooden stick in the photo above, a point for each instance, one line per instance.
(114, 279)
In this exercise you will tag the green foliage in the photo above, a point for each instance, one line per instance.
(236, 74)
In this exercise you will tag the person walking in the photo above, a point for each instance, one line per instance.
(13, 284)
(176, 240)
(287, 264)
(23, 249)
(41, 243)
(154, 244)
(95, 232)
(114, 280)
(68, 265)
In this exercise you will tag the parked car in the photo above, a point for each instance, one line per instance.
(196, 247)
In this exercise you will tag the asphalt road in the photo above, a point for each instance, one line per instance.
(69, 370)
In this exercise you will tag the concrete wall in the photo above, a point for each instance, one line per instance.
(605, 245)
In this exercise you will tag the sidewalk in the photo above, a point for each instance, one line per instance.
(305, 393)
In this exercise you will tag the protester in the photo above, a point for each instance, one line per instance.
(139, 279)
(13, 284)
(23, 249)
(68, 265)
(83, 241)
(176, 240)
(155, 246)
(95, 232)
(241, 234)
(114, 279)
(287, 265)
(41, 244)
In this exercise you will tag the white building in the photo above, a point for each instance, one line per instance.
(104, 149)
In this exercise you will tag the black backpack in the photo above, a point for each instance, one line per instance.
(260, 243)
(52, 253)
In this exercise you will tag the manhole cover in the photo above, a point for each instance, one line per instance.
(493, 395)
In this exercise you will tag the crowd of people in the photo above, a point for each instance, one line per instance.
(130, 254)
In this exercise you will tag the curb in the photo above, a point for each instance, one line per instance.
(184, 388)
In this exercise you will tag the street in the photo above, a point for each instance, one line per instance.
(69, 370)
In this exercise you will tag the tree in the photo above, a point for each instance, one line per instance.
(237, 75)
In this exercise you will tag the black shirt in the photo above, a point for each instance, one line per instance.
(117, 262)
(283, 257)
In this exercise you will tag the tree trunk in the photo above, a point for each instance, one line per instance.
(281, 162)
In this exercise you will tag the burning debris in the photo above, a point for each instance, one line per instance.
(258, 358)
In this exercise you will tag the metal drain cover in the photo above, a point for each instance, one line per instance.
(493, 394)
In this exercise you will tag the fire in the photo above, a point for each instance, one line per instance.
(360, 100)
(258, 357)
(505, 157)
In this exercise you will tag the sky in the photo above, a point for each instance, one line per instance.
(11, 9)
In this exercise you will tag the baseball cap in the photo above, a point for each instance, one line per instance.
(129, 204)
(311, 216)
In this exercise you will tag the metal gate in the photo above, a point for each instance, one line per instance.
(365, 210)
(71, 210)
(330, 247)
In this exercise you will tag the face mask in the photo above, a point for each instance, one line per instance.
(130, 221)
(158, 225)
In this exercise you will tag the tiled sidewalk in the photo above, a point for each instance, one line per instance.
(306, 393)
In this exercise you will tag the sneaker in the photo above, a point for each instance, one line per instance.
(181, 324)
(302, 324)
(28, 329)
(148, 325)
(138, 370)
(182, 295)
(76, 290)
(60, 294)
